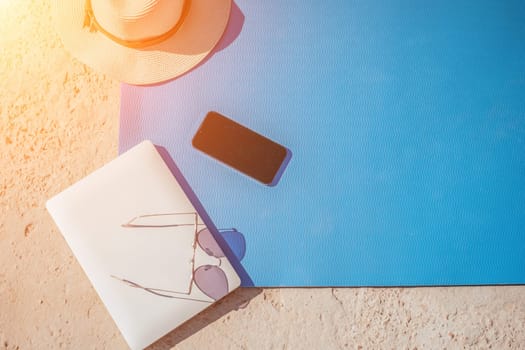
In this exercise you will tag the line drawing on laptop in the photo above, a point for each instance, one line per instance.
(211, 280)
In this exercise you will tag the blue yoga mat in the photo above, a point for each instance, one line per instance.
(406, 126)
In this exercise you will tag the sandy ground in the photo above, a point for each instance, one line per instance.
(59, 122)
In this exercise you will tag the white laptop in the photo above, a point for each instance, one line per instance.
(142, 245)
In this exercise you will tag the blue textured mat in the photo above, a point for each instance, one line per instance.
(406, 123)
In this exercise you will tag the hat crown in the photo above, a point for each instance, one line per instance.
(137, 19)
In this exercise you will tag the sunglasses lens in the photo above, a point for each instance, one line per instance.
(212, 281)
(209, 244)
(236, 242)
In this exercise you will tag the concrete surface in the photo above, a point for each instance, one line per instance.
(59, 122)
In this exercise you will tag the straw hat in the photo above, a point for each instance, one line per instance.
(141, 41)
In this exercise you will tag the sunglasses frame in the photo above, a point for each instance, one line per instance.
(196, 224)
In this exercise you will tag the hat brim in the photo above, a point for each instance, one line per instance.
(198, 34)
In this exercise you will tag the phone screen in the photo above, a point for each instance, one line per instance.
(240, 147)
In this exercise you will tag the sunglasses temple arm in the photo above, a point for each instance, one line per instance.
(156, 291)
(130, 224)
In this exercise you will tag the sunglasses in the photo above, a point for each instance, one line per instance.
(211, 280)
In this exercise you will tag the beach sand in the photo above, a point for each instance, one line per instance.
(58, 123)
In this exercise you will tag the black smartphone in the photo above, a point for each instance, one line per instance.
(240, 148)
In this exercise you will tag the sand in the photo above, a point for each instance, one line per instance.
(59, 122)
